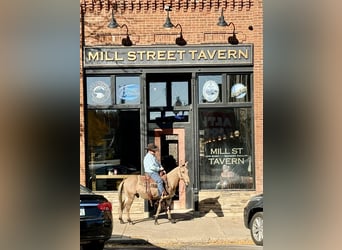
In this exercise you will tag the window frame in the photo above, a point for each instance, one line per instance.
(226, 104)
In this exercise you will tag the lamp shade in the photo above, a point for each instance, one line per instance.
(113, 24)
(168, 23)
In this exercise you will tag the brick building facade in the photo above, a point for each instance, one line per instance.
(152, 60)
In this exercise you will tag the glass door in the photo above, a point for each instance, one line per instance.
(168, 107)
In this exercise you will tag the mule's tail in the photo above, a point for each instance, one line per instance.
(121, 202)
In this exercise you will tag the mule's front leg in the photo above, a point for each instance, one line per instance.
(169, 214)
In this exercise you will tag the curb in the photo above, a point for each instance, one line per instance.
(136, 241)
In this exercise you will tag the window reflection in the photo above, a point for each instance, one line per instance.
(225, 148)
(158, 94)
(110, 147)
(127, 90)
(180, 93)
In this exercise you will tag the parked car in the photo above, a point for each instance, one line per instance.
(254, 218)
(96, 221)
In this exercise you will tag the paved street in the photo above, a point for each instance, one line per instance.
(189, 233)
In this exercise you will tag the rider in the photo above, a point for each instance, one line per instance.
(153, 167)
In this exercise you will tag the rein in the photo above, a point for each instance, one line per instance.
(180, 172)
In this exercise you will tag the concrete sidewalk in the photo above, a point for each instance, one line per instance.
(188, 230)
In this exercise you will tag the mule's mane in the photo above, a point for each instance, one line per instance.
(173, 177)
(173, 172)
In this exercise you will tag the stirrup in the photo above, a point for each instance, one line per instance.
(164, 195)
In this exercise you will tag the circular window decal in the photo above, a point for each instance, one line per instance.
(100, 92)
(238, 90)
(210, 90)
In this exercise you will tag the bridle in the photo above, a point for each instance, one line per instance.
(180, 172)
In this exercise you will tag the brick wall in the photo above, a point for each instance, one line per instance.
(199, 21)
(137, 209)
(227, 203)
(198, 18)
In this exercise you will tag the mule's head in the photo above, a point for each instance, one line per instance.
(184, 173)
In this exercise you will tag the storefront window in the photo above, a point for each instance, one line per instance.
(180, 93)
(225, 148)
(168, 101)
(113, 146)
(158, 94)
(127, 90)
(239, 88)
(99, 91)
(210, 88)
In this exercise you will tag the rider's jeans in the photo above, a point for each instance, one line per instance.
(155, 176)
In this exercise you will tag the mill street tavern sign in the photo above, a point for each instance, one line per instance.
(104, 56)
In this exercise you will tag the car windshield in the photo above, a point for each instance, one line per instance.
(85, 190)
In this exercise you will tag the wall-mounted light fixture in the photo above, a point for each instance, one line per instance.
(113, 24)
(231, 39)
(168, 24)
(180, 40)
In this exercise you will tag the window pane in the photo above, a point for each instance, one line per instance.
(168, 117)
(239, 88)
(127, 90)
(225, 148)
(157, 94)
(210, 88)
(180, 93)
(110, 149)
(155, 115)
(99, 91)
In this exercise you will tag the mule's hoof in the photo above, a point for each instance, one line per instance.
(122, 222)
(173, 221)
(156, 223)
(130, 222)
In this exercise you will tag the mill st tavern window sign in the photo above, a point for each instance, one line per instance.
(168, 56)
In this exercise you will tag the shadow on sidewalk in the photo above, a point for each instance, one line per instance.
(207, 205)
(211, 204)
(176, 217)
(118, 242)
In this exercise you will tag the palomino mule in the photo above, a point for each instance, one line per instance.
(132, 186)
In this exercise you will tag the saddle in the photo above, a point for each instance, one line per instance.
(148, 183)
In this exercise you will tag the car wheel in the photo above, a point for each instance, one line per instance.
(256, 227)
(94, 246)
